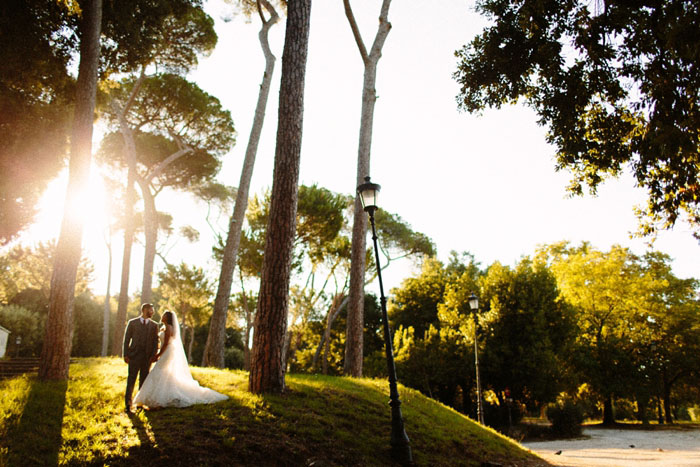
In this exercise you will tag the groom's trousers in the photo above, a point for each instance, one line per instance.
(138, 367)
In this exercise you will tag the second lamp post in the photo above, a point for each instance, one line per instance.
(400, 444)
(474, 306)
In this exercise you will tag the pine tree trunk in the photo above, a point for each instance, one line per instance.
(339, 300)
(667, 398)
(150, 221)
(608, 414)
(191, 344)
(214, 349)
(248, 329)
(106, 309)
(355, 323)
(267, 370)
(55, 354)
(129, 229)
(354, 336)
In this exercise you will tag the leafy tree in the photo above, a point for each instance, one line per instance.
(319, 247)
(36, 90)
(214, 352)
(186, 291)
(438, 364)
(38, 41)
(24, 323)
(179, 131)
(322, 249)
(616, 83)
(333, 346)
(528, 336)
(415, 304)
(267, 365)
(23, 268)
(168, 36)
(604, 288)
(353, 346)
(667, 336)
(55, 355)
(88, 320)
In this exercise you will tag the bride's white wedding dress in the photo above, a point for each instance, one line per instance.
(170, 383)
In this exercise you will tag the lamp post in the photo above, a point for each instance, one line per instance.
(400, 444)
(18, 341)
(474, 306)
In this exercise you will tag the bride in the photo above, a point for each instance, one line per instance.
(170, 383)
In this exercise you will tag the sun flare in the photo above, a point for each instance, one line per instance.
(91, 207)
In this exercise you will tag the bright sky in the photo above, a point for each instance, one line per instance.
(483, 184)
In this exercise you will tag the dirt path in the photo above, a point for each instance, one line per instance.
(623, 448)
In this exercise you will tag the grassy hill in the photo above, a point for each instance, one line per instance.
(319, 421)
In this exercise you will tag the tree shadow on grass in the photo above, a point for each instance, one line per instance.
(36, 439)
(227, 433)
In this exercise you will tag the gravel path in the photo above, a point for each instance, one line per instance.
(623, 448)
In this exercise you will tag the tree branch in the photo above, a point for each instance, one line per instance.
(157, 170)
(356, 31)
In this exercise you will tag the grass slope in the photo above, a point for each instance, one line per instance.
(320, 421)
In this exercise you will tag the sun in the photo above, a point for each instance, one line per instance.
(91, 208)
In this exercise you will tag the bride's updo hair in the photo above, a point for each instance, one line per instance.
(167, 318)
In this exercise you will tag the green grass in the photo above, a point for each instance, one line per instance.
(320, 421)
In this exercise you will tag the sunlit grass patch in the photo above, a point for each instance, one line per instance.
(319, 419)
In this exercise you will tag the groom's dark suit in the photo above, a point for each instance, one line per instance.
(140, 345)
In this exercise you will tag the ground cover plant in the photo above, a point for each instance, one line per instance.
(319, 420)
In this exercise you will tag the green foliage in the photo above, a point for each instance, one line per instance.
(439, 364)
(27, 324)
(24, 268)
(169, 105)
(616, 88)
(38, 41)
(527, 333)
(620, 326)
(186, 291)
(372, 339)
(87, 329)
(566, 418)
(421, 301)
(604, 288)
(397, 236)
(415, 303)
(169, 33)
(318, 228)
(30, 323)
(36, 94)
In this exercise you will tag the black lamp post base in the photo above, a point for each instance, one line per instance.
(402, 454)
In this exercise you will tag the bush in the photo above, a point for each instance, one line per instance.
(566, 418)
(233, 358)
(625, 409)
(27, 324)
(500, 417)
(694, 413)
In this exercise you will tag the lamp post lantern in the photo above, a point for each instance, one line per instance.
(400, 444)
(474, 306)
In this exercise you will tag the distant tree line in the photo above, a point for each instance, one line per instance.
(614, 332)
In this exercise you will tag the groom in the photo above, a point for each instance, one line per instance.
(140, 347)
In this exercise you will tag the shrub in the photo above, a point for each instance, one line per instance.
(27, 324)
(694, 413)
(500, 417)
(566, 418)
(233, 358)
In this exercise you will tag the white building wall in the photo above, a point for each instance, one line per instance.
(4, 337)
